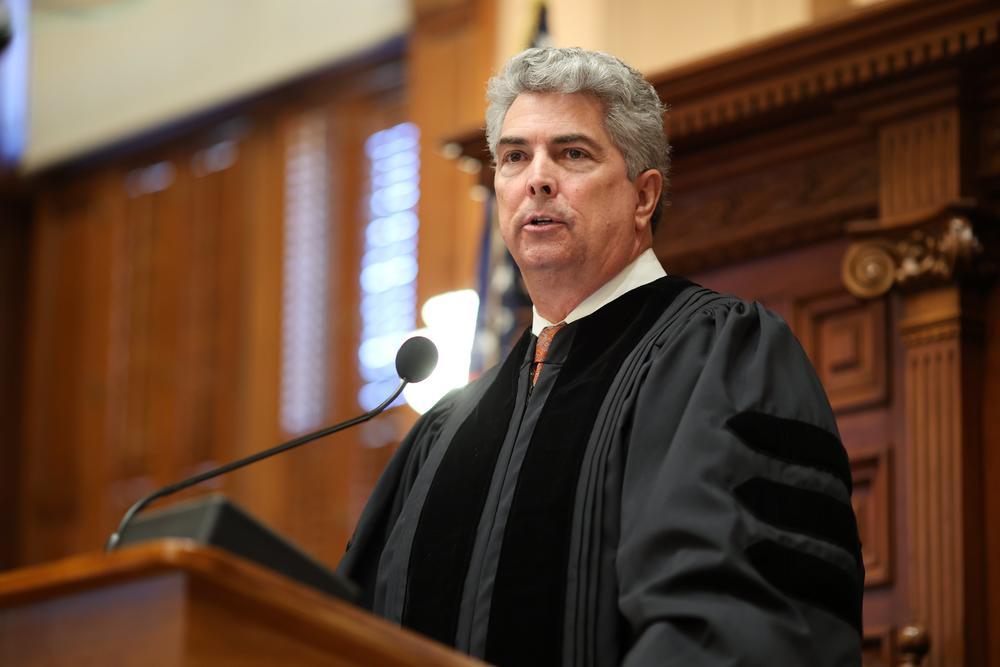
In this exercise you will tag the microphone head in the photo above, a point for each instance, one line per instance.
(416, 359)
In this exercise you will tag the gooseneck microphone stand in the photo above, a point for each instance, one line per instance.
(414, 362)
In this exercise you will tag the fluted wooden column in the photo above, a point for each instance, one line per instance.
(941, 336)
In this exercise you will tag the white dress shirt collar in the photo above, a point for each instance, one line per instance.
(644, 269)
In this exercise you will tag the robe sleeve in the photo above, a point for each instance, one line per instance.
(360, 562)
(738, 543)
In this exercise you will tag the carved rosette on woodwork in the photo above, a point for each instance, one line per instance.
(941, 249)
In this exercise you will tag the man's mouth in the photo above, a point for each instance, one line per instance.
(540, 221)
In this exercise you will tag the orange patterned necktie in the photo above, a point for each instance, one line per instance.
(545, 337)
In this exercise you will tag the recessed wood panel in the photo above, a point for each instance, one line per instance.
(846, 340)
(871, 503)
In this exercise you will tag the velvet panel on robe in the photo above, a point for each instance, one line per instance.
(671, 492)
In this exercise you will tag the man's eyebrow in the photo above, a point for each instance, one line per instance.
(515, 141)
(576, 138)
(559, 140)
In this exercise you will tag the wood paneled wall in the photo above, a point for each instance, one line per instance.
(154, 321)
(14, 249)
(153, 297)
(451, 51)
(144, 357)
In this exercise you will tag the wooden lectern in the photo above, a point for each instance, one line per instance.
(174, 602)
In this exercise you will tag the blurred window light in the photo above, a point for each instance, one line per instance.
(14, 79)
(305, 302)
(150, 180)
(451, 324)
(389, 260)
(217, 157)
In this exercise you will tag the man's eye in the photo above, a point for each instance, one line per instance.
(575, 154)
(513, 156)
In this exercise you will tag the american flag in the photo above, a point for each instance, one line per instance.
(504, 306)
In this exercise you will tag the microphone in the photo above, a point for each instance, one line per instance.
(415, 360)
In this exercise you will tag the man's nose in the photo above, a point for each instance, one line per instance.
(541, 181)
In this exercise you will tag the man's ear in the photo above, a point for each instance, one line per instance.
(648, 185)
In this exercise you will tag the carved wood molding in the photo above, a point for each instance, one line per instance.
(944, 246)
(825, 59)
(803, 199)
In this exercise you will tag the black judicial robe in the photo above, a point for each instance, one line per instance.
(672, 492)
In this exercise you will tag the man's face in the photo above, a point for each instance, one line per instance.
(565, 203)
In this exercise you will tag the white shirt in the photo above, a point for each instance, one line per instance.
(644, 269)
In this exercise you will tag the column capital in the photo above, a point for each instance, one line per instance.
(938, 248)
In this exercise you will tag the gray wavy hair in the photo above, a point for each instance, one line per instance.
(633, 113)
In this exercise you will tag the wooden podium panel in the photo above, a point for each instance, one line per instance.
(174, 602)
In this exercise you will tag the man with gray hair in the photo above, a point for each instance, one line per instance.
(653, 476)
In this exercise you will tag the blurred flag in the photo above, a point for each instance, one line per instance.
(504, 305)
(540, 30)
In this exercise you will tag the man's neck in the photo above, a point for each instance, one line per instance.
(556, 304)
(555, 294)
(642, 270)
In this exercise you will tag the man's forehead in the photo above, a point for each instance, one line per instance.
(561, 117)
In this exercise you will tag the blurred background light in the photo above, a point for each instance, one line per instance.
(451, 324)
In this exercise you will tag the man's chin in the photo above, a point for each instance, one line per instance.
(542, 262)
